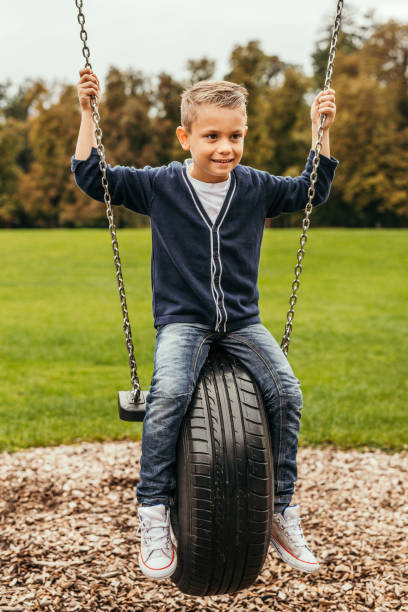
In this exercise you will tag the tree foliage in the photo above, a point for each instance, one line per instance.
(371, 136)
(139, 114)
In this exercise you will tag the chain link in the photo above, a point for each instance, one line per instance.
(109, 213)
(311, 192)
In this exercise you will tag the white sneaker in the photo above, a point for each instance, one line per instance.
(289, 542)
(157, 556)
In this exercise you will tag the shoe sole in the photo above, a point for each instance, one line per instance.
(287, 557)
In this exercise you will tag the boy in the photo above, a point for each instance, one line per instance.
(207, 220)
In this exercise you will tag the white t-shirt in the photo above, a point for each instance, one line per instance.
(212, 195)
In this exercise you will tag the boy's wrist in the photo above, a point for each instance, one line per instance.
(86, 112)
(325, 149)
(315, 128)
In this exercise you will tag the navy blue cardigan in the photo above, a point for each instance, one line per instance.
(203, 272)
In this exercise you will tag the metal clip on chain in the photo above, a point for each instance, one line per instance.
(311, 192)
(109, 213)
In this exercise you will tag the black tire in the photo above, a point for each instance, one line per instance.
(224, 502)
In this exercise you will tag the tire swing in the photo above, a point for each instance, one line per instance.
(224, 497)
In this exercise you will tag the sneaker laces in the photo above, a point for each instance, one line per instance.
(294, 532)
(155, 535)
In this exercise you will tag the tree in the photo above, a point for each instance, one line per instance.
(12, 139)
(139, 116)
(258, 73)
(287, 123)
(126, 121)
(200, 70)
(15, 150)
(371, 136)
(355, 30)
(165, 118)
(46, 193)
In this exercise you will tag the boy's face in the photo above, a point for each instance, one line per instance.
(216, 142)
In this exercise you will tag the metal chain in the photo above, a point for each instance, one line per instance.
(311, 192)
(109, 213)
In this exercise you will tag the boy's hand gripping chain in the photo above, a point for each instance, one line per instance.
(137, 395)
(311, 193)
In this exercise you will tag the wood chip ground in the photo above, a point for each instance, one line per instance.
(69, 541)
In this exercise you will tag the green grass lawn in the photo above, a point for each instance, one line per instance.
(63, 355)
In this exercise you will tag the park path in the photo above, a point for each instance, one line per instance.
(68, 535)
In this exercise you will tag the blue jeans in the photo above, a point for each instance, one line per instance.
(180, 352)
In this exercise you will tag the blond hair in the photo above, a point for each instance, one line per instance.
(223, 94)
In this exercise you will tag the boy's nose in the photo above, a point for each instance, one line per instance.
(224, 146)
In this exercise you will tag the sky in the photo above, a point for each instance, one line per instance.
(41, 39)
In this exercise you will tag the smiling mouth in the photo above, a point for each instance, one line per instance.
(222, 161)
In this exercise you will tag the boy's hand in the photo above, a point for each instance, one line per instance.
(88, 85)
(324, 104)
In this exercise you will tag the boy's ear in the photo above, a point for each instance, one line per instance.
(183, 137)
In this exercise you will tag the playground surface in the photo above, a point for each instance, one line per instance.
(69, 539)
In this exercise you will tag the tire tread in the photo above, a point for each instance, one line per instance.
(223, 513)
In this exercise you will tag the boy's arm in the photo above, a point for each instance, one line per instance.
(127, 186)
(88, 85)
(86, 136)
(324, 104)
(325, 150)
(290, 194)
(286, 194)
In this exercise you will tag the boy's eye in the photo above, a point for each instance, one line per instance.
(215, 136)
